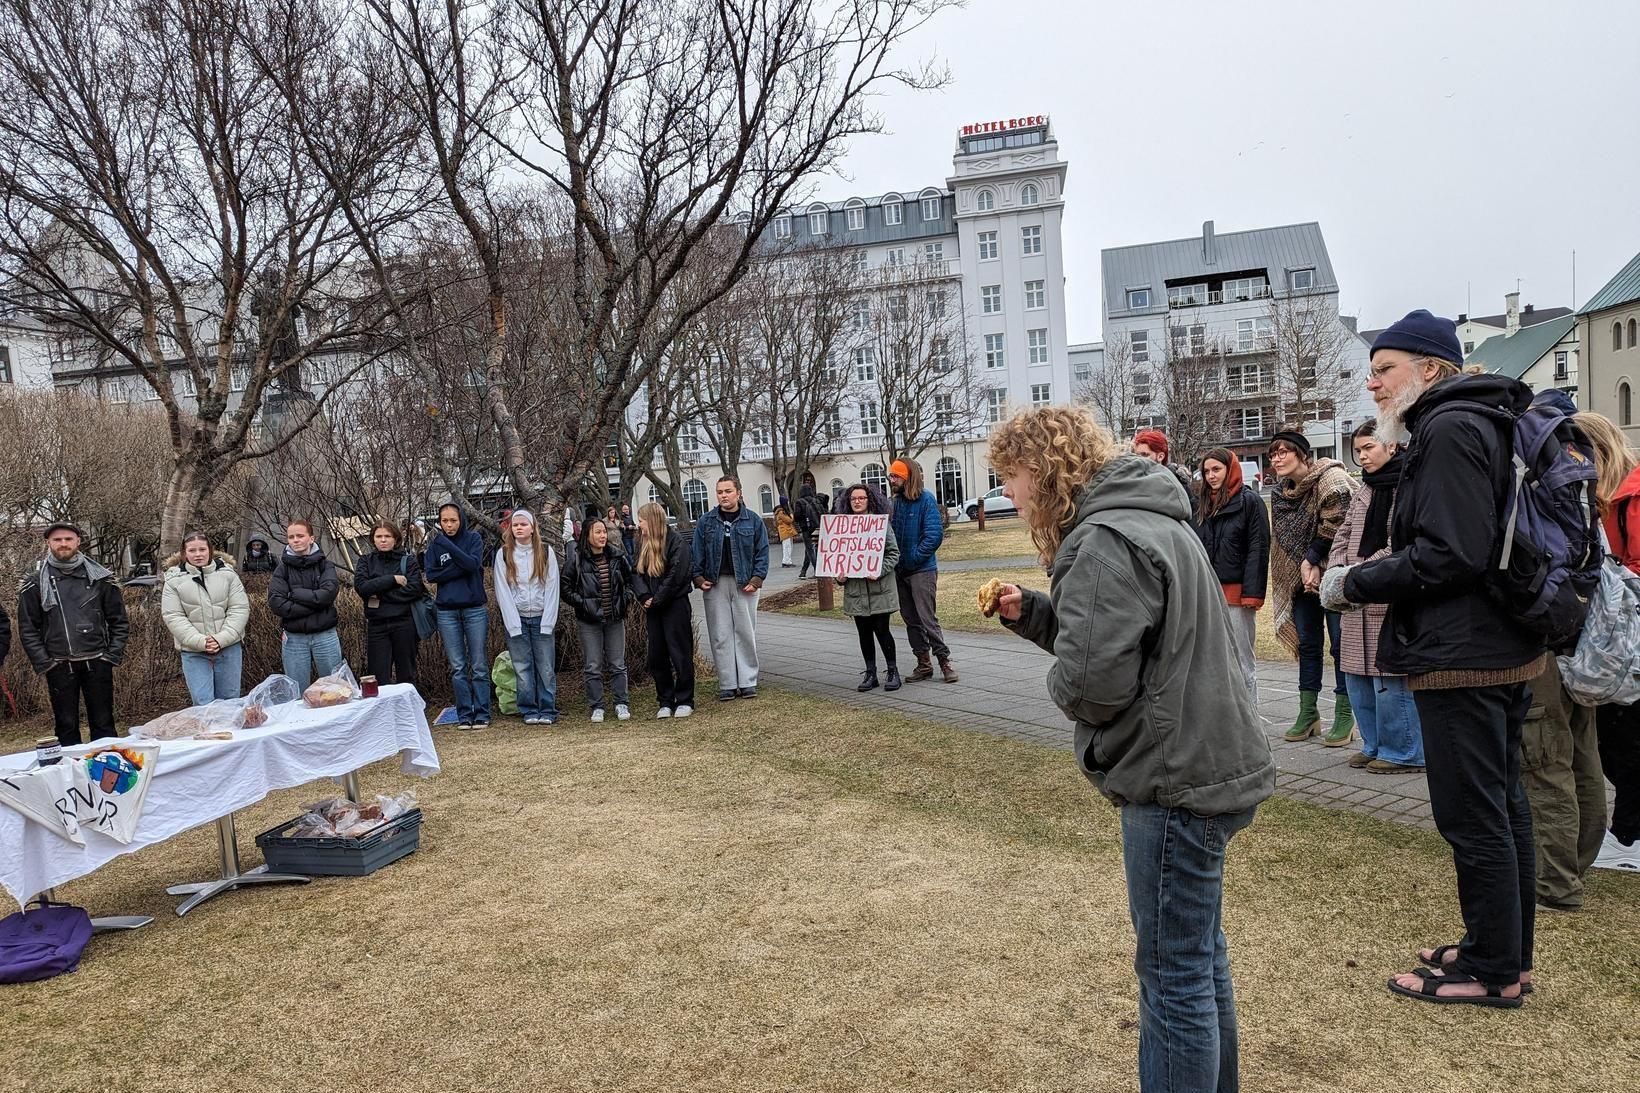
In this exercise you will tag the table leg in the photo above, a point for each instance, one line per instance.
(105, 923)
(227, 837)
(350, 785)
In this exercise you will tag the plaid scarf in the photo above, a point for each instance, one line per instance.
(1299, 512)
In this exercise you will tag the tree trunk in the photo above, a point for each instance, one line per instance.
(185, 495)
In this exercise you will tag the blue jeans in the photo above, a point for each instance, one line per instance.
(1387, 718)
(465, 631)
(212, 677)
(533, 662)
(1187, 1009)
(1308, 617)
(301, 652)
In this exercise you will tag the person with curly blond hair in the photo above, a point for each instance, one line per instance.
(1145, 665)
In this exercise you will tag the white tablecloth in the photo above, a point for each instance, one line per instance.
(199, 781)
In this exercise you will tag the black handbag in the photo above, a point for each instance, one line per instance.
(424, 611)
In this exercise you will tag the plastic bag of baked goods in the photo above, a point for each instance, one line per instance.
(263, 702)
(332, 690)
(223, 716)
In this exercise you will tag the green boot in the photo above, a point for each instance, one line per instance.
(1308, 720)
(1343, 726)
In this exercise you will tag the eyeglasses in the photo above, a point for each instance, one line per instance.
(1379, 371)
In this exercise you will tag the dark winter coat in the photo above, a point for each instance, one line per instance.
(1237, 538)
(258, 561)
(1445, 536)
(579, 584)
(456, 565)
(302, 592)
(373, 579)
(920, 530)
(674, 582)
(87, 623)
(751, 546)
(1143, 661)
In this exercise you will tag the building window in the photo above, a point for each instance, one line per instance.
(1141, 388)
(1251, 424)
(694, 498)
(862, 314)
(1036, 346)
(818, 219)
(1625, 405)
(833, 425)
(944, 416)
(987, 246)
(936, 304)
(873, 474)
(1138, 298)
(931, 208)
(1187, 295)
(1468, 348)
(1081, 370)
(5, 365)
(897, 310)
(896, 256)
(836, 488)
(1036, 295)
(1617, 336)
(868, 418)
(1139, 343)
(782, 227)
(996, 404)
(856, 219)
(1198, 339)
(865, 364)
(893, 213)
(1301, 280)
(995, 351)
(1253, 334)
(938, 355)
(1041, 395)
(948, 482)
(1634, 333)
(933, 252)
(992, 481)
(990, 299)
(1246, 288)
(240, 377)
(1560, 364)
(117, 391)
(1030, 194)
(1030, 239)
(858, 262)
(985, 201)
(760, 436)
(765, 500)
(688, 439)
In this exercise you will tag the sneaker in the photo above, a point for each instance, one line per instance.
(465, 726)
(532, 721)
(553, 720)
(1383, 766)
(748, 692)
(1360, 759)
(598, 715)
(683, 711)
(727, 696)
(662, 714)
(481, 724)
(622, 713)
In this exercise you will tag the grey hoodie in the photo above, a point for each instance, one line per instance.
(1143, 658)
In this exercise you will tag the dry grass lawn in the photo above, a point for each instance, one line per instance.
(1005, 538)
(790, 895)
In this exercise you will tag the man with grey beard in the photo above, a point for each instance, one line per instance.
(1467, 660)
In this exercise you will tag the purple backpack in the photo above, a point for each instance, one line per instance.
(41, 943)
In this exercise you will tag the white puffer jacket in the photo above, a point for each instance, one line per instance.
(204, 603)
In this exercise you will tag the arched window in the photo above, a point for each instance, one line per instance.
(1625, 404)
(932, 202)
(1634, 333)
(765, 500)
(985, 201)
(1617, 336)
(1030, 194)
(893, 209)
(819, 219)
(948, 482)
(694, 495)
(836, 491)
(873, 474)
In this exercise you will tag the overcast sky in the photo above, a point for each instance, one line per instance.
(1445, 148)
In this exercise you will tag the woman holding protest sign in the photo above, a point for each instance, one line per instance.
(870, 601)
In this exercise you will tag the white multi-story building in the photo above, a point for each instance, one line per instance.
(989, 238)
(1223, 300)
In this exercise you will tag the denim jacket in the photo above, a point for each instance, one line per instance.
(751, 545)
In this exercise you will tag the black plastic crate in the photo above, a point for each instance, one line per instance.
(340, 857)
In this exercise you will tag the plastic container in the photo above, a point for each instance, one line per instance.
(341, 857)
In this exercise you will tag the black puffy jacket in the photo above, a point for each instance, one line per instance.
(1237, 538)
(302, 592)
(1445, 536)
(374, 578)
(579, 584)
(675, 580)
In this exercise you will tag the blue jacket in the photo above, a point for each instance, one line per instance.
(920, 530)
(457, 567)
(751, 543)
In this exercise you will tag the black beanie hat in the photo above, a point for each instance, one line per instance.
(1299, 442)
(1424, 334)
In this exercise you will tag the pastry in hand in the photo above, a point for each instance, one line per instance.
(990, 596)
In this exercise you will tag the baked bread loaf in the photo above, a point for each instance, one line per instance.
(990, 596)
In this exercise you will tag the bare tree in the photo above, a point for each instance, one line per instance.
(1191, 379)
(912, 363)
(1111, 391)
(1310, 347)
(644, 123)
(156, 204)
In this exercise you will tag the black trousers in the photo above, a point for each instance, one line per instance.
(875, 626)
(1619, 731)
(67, 683)
(672, 652)
(1472, 755)
(390, 647)
(809, 560)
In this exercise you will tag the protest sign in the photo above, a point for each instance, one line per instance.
(852, 545)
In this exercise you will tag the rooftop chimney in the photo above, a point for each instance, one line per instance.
(1527, 310)
(1511, 313)
(1462, 318)
(1210, 248)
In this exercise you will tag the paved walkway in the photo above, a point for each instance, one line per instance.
(1002, 693)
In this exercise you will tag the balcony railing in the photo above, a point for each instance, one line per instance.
(1197, 299)
(922, 270)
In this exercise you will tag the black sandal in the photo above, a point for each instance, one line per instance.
(1431, 984)
(1438, 960)
(1436, 973)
